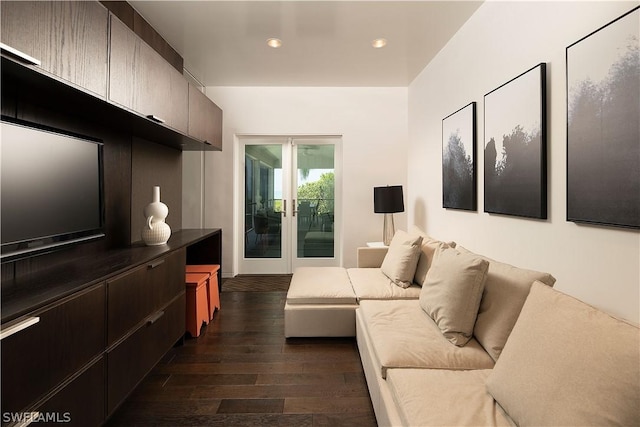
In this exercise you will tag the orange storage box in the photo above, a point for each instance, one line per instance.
(213, 294)
(197, 302)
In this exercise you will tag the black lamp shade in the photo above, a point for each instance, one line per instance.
(388, 199)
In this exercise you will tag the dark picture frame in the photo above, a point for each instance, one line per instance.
(603, 135)
(459, 159)
(515, 146)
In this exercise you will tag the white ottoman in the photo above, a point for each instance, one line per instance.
(320, 303)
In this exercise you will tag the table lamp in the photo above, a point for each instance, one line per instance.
(388, 200)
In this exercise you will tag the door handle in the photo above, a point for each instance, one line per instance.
(284, 211)
(295, 211)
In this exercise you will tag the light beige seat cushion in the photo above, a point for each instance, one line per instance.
(400, 262)
(371, 283)
(505, 291)
(320, 285)
(430, 397)
(567, 363)
(404, 336)
(452, 290)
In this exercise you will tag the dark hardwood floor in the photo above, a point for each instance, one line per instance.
(241, 371)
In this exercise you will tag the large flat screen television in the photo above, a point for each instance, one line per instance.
(51, 189)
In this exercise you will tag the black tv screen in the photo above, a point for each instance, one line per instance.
(51, 188)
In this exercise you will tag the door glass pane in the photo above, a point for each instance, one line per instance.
(315, 200)
(263, 201)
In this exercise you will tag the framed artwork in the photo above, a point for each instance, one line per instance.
(458, 159)
(603, 135)
(515, 148)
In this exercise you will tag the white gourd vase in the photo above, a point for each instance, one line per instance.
(156, 231)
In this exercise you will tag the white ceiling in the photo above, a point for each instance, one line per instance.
(325, 43)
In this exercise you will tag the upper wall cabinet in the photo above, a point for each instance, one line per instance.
(142, 81)
(205, 118)
(68, 39)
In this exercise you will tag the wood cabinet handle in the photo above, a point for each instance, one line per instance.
(154, 264)
(29, 321)
(155, 118)
(153, 319)
(20, 55)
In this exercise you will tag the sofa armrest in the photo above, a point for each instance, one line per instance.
(371, 257)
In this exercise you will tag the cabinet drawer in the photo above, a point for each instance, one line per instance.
(143, 291)
(81, 402)
(132, 359)
(69, 38)
(70, 333)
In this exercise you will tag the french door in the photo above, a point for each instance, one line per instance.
(290, 203)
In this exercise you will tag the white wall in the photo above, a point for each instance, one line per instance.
(373, 125)
(598, 265)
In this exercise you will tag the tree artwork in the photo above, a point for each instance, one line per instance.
(458, 164)
(515, 147)
(603, 131)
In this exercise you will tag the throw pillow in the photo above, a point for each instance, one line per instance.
(428, 249)
(452, 291)
(505, 291)
(567, 363)
(400, 262)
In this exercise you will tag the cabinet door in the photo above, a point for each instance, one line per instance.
(69, 38)
(68, 335)
(136, 295)
(132, 359)
(81, 402)
(205, 118)
(141, 80)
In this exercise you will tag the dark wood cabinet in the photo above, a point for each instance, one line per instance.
(142, 81)
(69, 335)
(140, 293)
(79, 403)
(78, 338)
(205, 118)
(69, 38)
(132, 359)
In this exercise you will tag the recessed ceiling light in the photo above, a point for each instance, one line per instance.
(378, 43)
(274, 43)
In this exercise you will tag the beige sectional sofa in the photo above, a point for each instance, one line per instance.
(479, 342)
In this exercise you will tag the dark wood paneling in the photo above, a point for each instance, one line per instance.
(69, 334)
(155, 165)
(69, 38)
(147, 33)
(132, 19)
(122, 10)
(205, 118)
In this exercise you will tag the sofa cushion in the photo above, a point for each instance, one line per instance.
(320, 285)
(505, 291)
(427, 250)
(400, 262)
(404, 336)
(452, 291)
(567, 363)
(439, 397)
(371, 283)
